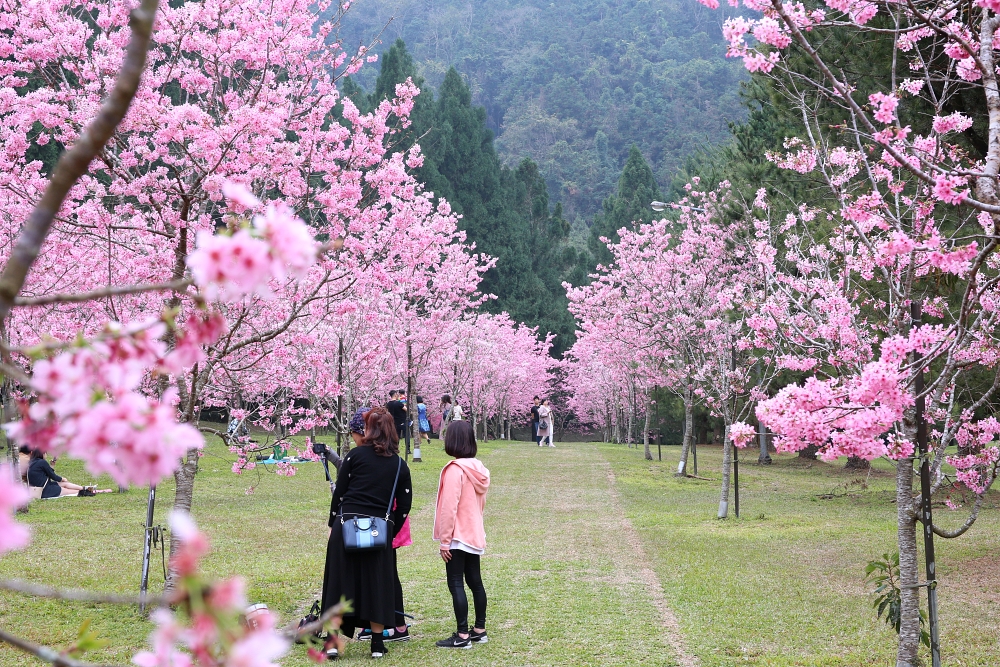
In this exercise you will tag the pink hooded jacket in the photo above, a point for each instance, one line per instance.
(460, 503)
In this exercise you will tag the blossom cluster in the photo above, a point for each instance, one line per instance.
(91, 403)
(211, 633)
(278, 245)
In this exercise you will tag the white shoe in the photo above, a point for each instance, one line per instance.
(551, 445)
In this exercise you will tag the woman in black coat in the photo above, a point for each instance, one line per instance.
(366, 579)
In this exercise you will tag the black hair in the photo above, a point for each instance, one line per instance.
(460, 441)
(393, 393)
(420, 399)
(536, 399)
(24, 449)
(37, 454)
(446, 399)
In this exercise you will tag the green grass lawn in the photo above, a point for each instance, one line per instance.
(783, 585)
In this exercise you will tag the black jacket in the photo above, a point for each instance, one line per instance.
(364, 485)
(398, 411)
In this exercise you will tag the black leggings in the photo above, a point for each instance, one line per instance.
(464, 564)
(400, 619)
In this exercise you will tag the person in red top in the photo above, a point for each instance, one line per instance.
(458, 526)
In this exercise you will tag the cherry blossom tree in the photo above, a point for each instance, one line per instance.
(673, 297)
(886, 296)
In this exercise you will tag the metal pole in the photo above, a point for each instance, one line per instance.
(410, 402)
(147, 547)
(694, 453)
(736, 479)
(340, 396)
(736, 456)
(925, 502)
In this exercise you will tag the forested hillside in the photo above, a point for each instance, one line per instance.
(573, 84)
(505, 210)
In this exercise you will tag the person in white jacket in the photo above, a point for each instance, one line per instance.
(545, 426)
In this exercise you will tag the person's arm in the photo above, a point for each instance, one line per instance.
(447, 506)
(334, 458)
(49, 472)
(404, 499)
(343, 479)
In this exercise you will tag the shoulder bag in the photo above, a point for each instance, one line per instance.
(369, 533)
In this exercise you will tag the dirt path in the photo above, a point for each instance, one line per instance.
(567, 579)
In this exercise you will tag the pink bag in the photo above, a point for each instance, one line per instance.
(403, 537)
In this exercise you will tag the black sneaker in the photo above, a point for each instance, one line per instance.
(365, 635)
(455, 642)
(478, 637)
(378, 648)
(396, 635)
(332, 654)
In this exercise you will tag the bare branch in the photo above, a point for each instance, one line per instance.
(43, 653)
(173, 286)
(75, 594)
(948, 534)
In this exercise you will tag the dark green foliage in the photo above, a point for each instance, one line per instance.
(574, 84)
(505, 212)
(628, 206)
(884, 574)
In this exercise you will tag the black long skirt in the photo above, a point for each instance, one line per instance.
(366, 579)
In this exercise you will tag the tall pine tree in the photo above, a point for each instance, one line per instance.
(628, 206)
(504, 212)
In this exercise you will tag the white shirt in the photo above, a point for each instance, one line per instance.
(456, 414)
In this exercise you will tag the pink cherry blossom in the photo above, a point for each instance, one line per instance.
(945, 189)
(13, 495)
(886, 106)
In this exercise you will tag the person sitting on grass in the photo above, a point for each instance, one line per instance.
(46, 483)
(458, 526)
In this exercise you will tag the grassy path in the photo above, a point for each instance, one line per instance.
(567, 578)
(566, 583)
(595, 557)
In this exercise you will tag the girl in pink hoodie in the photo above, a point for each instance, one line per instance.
(458, 526)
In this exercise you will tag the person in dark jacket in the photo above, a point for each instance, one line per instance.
(534, 420)
(397, 408)
(366, 579)
(41, 475)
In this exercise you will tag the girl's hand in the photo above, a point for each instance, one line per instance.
(445, 554)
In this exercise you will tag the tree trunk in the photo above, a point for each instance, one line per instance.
(631, 425)
(184, 477)
(764, 458)
(688, 432)
(909, 626)
(727, 466)
(857, 463)
(809, 452)
(645, 432)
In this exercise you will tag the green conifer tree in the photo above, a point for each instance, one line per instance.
(628, 206)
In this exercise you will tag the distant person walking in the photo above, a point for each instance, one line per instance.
(423, 424)
(397, 408)
(445, 414)
(534, 420)
(365, 483)
(545, 426)
(458, 526)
